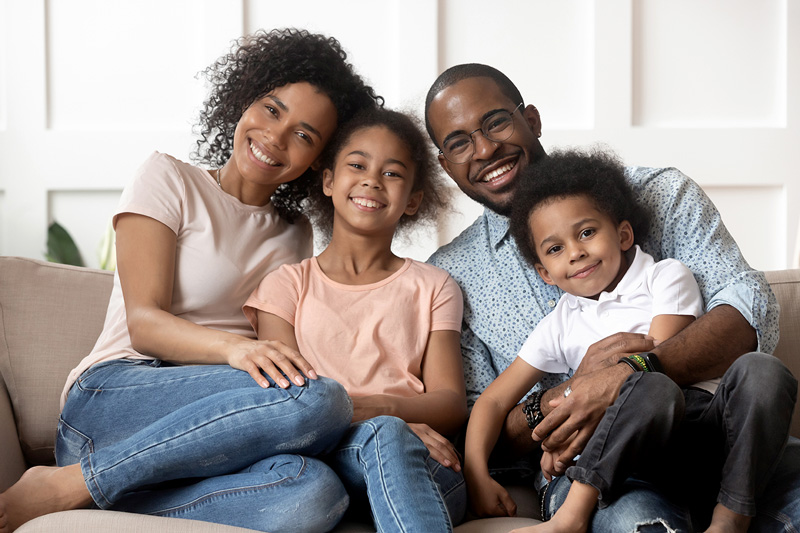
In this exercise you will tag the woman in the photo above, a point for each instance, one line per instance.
(179, 411)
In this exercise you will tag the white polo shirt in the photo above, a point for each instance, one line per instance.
(648, 289)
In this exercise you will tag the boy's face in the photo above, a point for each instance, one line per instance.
(580, 249)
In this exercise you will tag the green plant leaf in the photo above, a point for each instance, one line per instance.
(60, 246)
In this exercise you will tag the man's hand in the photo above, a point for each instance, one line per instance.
(606, 352)
(568, 427)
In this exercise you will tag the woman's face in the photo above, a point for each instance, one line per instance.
(282, 134)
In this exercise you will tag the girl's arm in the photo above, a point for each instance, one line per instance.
(485, 424)
(146, 251)
(443, 405)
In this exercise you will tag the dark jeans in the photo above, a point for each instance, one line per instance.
(726, 448)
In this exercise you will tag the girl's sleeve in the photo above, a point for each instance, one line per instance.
(277, 294)
(448, 306)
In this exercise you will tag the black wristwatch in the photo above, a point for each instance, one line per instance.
(533, 409)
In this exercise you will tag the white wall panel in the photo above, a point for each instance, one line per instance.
(755, 216)
(85, 215)
(3, 73)
(546, 48)
(391, 43)
(125, 68)
(710, 63)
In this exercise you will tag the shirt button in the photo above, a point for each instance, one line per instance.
(551, 303)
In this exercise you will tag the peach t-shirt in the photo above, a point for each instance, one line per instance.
(370, 338)
(224, 248)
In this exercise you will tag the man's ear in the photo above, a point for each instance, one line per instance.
(445, 164)
(544, 274)
(327, 182)
(625, 232)
(531, 116)
(414, 201)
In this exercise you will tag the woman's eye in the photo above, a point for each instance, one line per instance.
(271, 109)
(306, 137)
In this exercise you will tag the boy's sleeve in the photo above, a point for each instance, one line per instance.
(674, 290)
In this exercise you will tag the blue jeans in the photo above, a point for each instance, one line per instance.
(207, 443)
(730, 448)
(385, 465)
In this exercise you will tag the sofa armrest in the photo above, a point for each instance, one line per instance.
(12, 464)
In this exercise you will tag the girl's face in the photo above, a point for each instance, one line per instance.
(372, 181)
(282, 134)
(580, 249)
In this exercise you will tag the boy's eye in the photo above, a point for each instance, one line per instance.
(554, 249)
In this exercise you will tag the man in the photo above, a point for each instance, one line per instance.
(487, 136)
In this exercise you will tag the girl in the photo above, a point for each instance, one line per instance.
(385, 327)
(141, 432)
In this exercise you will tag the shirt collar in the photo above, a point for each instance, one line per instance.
(498, 226)
(629, 283)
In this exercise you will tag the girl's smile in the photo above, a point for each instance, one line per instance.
(371, 183)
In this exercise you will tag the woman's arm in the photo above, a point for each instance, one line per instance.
(146, 251)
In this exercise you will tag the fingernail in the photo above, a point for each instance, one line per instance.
(560, 465)
(285, 383)
(265, 384)
(299, 380)
(312, 374)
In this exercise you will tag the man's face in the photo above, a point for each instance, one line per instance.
(489, 176)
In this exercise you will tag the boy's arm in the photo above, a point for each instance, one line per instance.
(485, 424)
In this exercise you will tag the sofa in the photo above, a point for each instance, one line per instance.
(50, 317)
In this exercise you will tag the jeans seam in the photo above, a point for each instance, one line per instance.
(210, 496)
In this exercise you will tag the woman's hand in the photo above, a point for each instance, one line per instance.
(273, 358)
(442, 450)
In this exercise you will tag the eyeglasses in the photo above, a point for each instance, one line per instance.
(498, 127)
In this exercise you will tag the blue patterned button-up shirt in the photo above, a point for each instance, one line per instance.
(504, 297)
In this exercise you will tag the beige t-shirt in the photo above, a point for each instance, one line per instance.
(224, 249)
(370, 338)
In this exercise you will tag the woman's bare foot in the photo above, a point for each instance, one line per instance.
(726, 521)
(40, 491)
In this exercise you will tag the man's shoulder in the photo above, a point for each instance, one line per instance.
(464, 248)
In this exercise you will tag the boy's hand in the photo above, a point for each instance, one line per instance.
(488, 498)
(442, 450)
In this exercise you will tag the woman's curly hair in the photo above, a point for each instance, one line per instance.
(594, 173)
(264, 61)
(427, 177)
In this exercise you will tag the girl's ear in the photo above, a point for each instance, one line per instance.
(327, 182)
(625, 232)
(544, 274)
(414, 201)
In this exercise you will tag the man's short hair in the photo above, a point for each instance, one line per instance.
(457, 73)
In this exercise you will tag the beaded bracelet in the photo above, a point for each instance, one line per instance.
(633, 364)
(532, 409)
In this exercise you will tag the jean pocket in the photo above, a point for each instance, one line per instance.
(71, 444)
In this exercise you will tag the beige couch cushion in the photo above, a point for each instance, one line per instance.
(786, 286)
(47, 300)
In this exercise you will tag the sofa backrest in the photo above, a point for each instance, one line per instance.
(786, 286)
(52, 314)
(50, 318)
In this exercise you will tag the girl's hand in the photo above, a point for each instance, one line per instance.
(274, 358)
(487, 497)
(442, 450)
